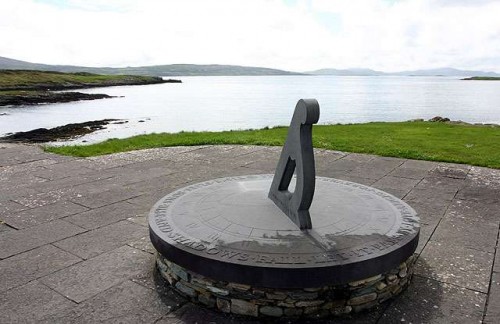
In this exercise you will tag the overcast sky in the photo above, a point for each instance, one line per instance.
(297, 35)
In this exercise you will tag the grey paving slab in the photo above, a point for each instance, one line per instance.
(142, 218)
(474, 211)
(185, 156)
(241, 160)
(13, 192)
(484, 176)
(409, 173)
(457, 171)
(165, 183)
(100, 163)
(14, 242)
(426, 231)
(67, 183)
(30, 303)
(483, 194)
(31, 265)
(151, 279)
(323, 158)
(370, 172)
(89, 278)
(163, 153)
(428, 202)
(21, 155)
(441, 184)
(339, 174)
(42, 197)
(5, 228)
(218, 152)
(127, 302)
(431, 301)
(395, 185)
(456, 265)
(266, 166)
(467, 232)
(98, 185)
(144, 244)
(25, 167)
(95, 208)
(492, 315)
(103, 198)
(353, 178)
(99, 217)
(147, 199)
(8, 207)
(19, 180)
(141, 171)
(190, 313)
(376, 167)
(63, 170)
(95, 242)
(358, 157)
(205, 173)
(419, 164)
(341, 164)
(496, 263)
(44, 214)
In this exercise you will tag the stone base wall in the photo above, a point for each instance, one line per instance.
(235, 298)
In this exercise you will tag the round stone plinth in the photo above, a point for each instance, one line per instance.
(228, 230)
(332, 300)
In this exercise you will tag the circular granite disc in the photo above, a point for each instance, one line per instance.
(228, 229)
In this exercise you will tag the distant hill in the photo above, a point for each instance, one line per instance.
(11, 64)
(428, 72)
(215, 69)
(446, 72)
(154, 70)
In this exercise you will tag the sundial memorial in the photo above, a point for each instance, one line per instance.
(289, 244)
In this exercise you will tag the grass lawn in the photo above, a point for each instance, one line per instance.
(476, 145)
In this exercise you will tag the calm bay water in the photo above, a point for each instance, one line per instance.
(224, 103)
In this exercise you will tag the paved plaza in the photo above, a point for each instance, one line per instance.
(74, 245)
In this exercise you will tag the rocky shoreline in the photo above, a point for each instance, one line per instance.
(19, 87)
(69, 131)
(439, 119)
(43, 97)
(61, 87)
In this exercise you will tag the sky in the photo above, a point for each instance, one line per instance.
(295, 35)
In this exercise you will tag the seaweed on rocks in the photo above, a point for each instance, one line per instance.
(69, 131)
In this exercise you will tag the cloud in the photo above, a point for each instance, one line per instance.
(296, 35)
(415, 33)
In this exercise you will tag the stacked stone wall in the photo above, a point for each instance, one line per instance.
(235, 298)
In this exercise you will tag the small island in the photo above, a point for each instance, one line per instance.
(483, 78)
(27, 87)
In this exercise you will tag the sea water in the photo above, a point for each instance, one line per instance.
(214, 103)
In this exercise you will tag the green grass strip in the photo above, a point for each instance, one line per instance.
(469, 144)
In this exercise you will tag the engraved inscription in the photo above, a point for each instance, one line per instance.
(182, 231)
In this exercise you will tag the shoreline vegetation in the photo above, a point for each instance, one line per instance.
(455, 142)
(26, 87)
(482, 78)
